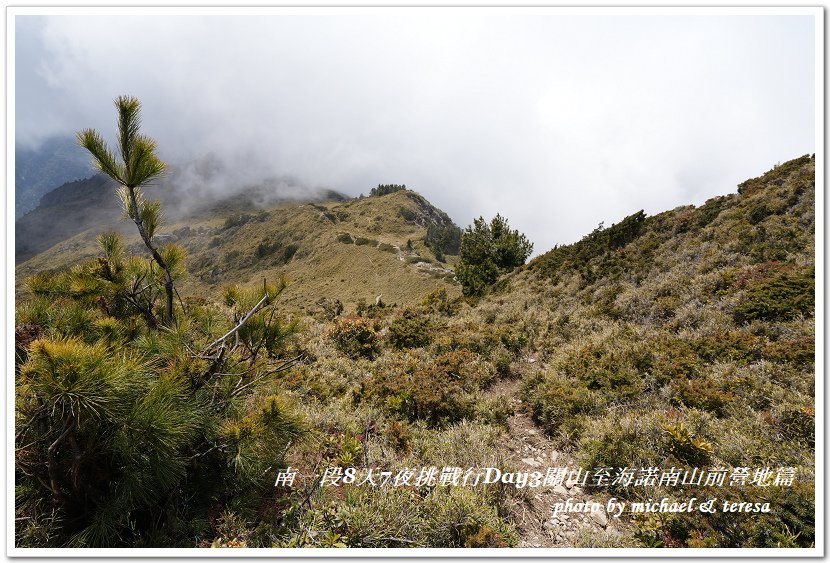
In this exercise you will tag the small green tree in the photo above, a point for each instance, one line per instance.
(129, 435)
(384, 189)
(126, 435)
(138, 166)
(489, 250)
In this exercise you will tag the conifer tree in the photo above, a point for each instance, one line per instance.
(138, 166)
(489, 250)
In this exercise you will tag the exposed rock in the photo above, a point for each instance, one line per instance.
(600, 518)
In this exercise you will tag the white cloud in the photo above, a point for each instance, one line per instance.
(556, 122)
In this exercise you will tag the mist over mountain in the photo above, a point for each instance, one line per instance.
(55, 161)
(196, 189)
(480, 112)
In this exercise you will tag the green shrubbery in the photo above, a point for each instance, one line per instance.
(600, 241)
(362, 241)
(357, 337)
(563, 405)
(412, 329)
(489, 250)
(407, 214)
(702, 394)
(776, 293)
(438, 391)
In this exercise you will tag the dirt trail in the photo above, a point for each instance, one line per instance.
(529, 449)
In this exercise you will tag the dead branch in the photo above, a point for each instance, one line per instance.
(239, 325)
(286, 365)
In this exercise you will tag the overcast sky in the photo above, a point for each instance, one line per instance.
(555, 121)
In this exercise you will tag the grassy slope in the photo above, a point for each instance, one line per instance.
(245, 248)
(641, 355)
(699, 316)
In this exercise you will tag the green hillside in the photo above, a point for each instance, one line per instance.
(348, 251)
(685, 339)
(676, 341)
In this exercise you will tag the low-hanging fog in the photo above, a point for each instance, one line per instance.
(555, 121)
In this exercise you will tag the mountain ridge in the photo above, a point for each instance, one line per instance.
(377, 245)
(674, 342)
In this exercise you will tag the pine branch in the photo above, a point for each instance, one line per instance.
(129, 120)
(103, 159)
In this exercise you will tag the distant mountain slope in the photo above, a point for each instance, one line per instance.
(58, 160)
(350, 250)
(92, 203)
(64, 212)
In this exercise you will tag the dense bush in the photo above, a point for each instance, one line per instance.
(407, 214)
(440, 302)
(729, 346)
(362, 241)
(237, 220)
(438, 391)
(487, 251)
(702, 394)
(600, 241)
(777, 294)
(562, 404)
(412, 329)
(357, 337)
(799, 352)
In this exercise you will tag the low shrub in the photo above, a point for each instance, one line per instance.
(779, 294)
(237, 220)
(357, 337)
(685, 446)
(439, 392)
(561, 404)
(633, 439)
(407, 214)
(797, 422)
(289, 251)
(438, 300)
(412, 329)
(728, 346)
(362, 241)
(702, 394)
(799, 352)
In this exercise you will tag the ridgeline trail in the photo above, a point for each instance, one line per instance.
(529, 449)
